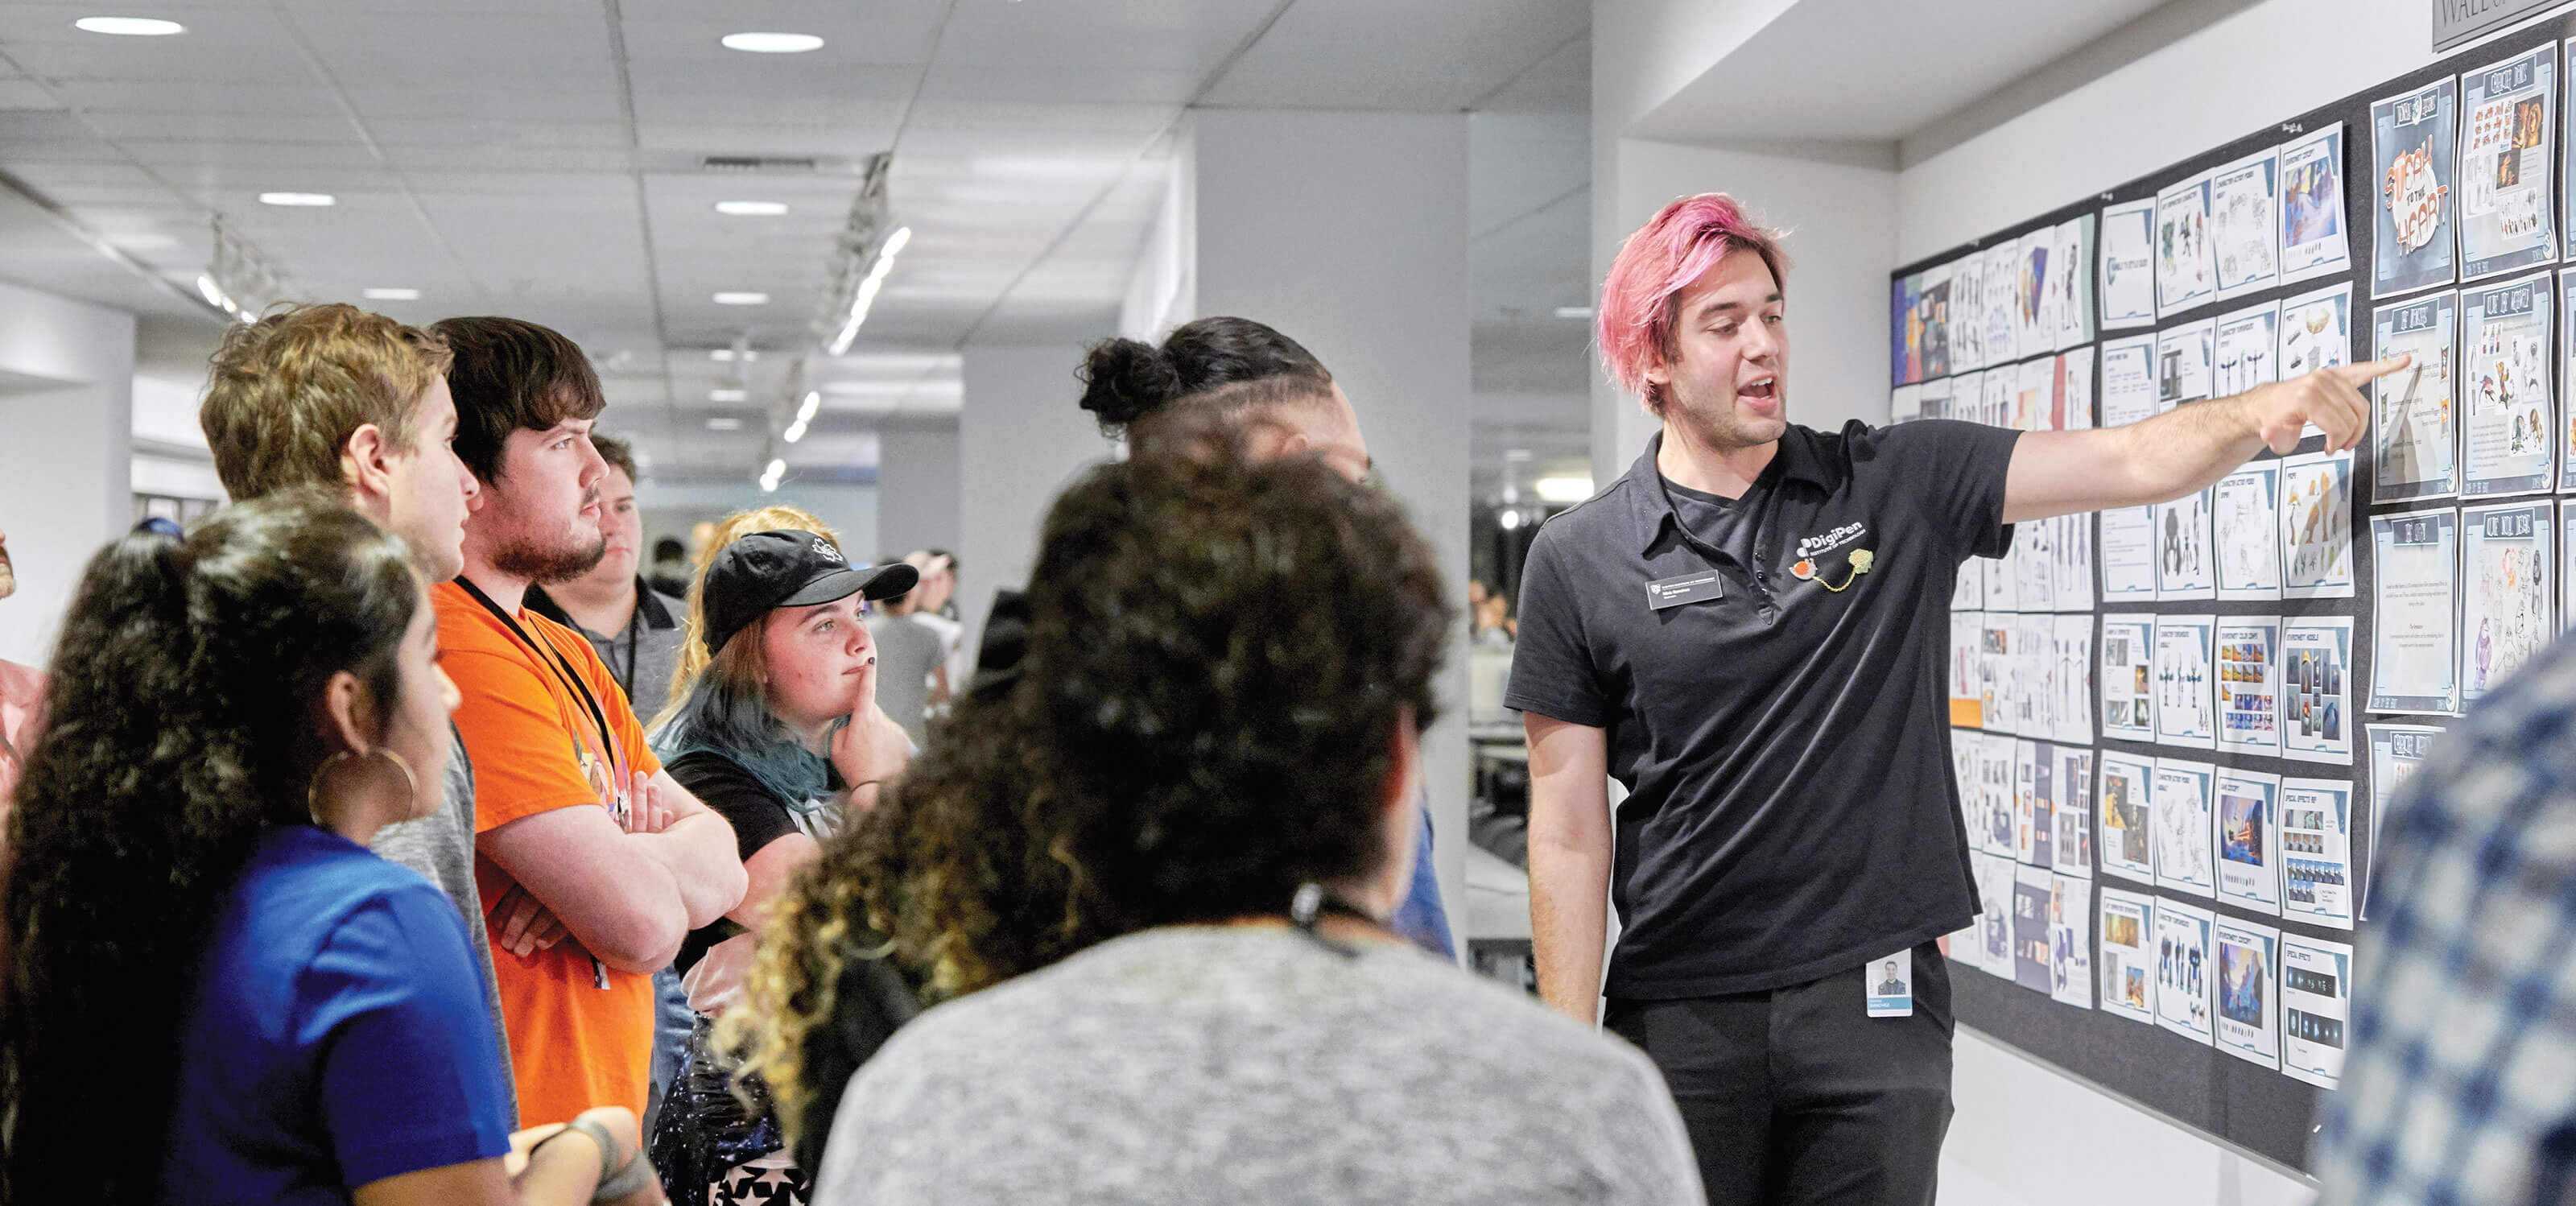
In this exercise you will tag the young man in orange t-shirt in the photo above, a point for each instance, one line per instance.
(592, 863)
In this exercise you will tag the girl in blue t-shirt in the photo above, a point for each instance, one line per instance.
(203, 951)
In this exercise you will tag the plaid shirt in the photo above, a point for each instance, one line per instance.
(2460, 1085)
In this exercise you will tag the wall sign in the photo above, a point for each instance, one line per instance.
(2458, 21)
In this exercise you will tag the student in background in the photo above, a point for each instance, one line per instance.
(1183, 830)
(334, 397)
(765, 739)
(912, 664)
(593, 863)
(634, 628)
(1273, 399)
(218, 993)
(670, 572)
(22, 696)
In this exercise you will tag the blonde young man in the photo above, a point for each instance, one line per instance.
(334, 396)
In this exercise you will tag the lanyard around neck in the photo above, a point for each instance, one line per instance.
(553, 661)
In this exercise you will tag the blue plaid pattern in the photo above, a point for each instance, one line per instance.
(2460, 1084)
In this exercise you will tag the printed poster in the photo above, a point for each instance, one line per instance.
(2035, 806)
(2508, 561)
(2128, 959)
(2128, 380)
(2414, 141)
(2244, 225)
(2249, 991)
(2071, 712)
(2184, 821)
(2316, 852)
(1905, 330)
(1995, 835)
(2248, 530)
(1904, 404)
(2127, 802)
(2567, 555)
(2316, 689)
(2248, 348)
(1967, 685)
(1995, 891)
(2249, 685)
(2035, 648)
(2508, 211)
(2034, 323)
(2128, 677)
(2186, 687)
(2316, 526)
(2074, 585)
(1968, 587)
(2413, 426)
(2001, 278)
(2073, 846)
(2034, 564)
(1935, 326)
(2070, 941)
(1967, 312)
(2075, 389)
(2035, 396)
(2396, 750)
(2071, 277)
(1998, 385)
(2031, 892)
(2129, 554)
(2316, 1005)
(2186, 276)
(2415, 654)
(2185, 968)
(2316, 331)
(2128, 265)
(2249, 839)
(2507, 434)
(2185, 371)
(2314, 240)
(2186, 566)
(2567, 372)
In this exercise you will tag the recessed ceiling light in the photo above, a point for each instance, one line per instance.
(298, 199)
(727, 356)
(751, 209)
(727, 395)
(133, 27)
(742, 299)
(392, 294)
(772, 43)
(723, 423)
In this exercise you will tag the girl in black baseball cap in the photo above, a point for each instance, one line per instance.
(781, 736)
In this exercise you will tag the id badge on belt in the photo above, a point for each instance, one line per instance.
(1891, 985)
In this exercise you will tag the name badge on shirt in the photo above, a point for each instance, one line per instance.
(1891, 986)
(1689, 588)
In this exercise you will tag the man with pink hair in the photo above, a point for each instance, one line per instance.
(1749, 632)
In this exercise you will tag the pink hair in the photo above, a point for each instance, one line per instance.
(1680, 245)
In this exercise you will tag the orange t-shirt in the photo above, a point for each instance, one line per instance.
(573, 1045)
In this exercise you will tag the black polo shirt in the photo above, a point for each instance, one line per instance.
(1792, 811)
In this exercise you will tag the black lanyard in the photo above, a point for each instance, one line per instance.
(554, 662)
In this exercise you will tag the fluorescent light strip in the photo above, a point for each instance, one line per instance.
(132, 27)
(298, 199)
(751, 209)
(867, 294)
(742, 298)
(772, 43)
(391, 294)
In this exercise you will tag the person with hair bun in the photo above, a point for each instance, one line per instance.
(1749, 632)
(216, 992)
(1150, 880)
(1239, 383)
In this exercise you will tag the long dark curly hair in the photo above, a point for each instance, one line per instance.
(1218, 658)
(184, 716)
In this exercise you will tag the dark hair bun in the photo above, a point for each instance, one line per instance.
(1124, 379)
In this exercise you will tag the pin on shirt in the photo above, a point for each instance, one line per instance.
(1805, 570)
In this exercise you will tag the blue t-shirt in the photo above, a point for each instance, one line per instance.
(1419, 919)
(336, 1034)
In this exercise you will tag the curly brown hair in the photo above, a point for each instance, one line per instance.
(1218, 657)
(188, 723)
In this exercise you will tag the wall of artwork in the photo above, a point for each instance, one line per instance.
(2175, 726)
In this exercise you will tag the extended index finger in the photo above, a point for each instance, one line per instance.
(2369, 370)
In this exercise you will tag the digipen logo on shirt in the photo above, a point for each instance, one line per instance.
(1804, 569)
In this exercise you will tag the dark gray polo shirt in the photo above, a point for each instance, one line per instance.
(1792, 811)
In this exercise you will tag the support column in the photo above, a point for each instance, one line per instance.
(1348, 231)
(1021, 436)
(917, 489)
(66, 453)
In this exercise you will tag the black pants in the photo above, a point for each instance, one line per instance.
(1796, 1095)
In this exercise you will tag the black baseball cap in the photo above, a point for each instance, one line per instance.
(765, 571)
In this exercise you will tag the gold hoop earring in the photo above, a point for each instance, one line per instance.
(313, 786)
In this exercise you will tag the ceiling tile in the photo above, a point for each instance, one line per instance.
(1426, 55)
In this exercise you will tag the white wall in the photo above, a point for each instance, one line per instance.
(918, 489)
(672, 509)
(1020, 438)
(2027, 1134)
(1348, 231)
(66, 390)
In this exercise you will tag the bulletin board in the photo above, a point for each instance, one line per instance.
(2455, 210)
